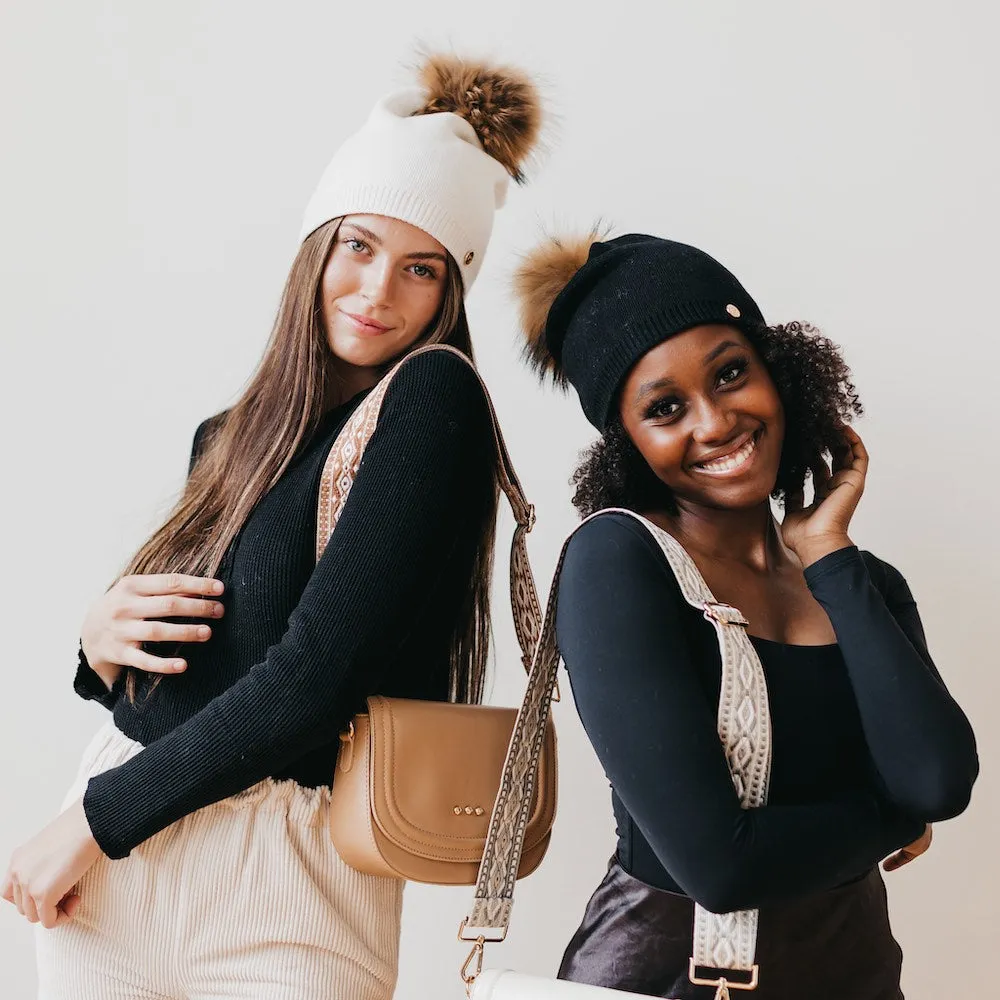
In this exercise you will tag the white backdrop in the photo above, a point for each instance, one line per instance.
(842, 159)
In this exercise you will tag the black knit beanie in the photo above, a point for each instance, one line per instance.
(617, 302)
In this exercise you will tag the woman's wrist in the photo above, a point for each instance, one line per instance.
(811, 550)
(107, 672)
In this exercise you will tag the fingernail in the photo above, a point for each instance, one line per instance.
(217, 587)
(204, 632)
(178, 665)
(217, 610)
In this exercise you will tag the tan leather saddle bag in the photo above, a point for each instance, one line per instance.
(416, 781)
(422, 777)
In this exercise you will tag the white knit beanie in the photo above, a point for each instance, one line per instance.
(439, 158)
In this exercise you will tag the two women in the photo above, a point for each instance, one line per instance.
(196, 836)
(706, 414)
(212, 782)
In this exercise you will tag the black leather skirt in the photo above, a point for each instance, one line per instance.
(833, 945)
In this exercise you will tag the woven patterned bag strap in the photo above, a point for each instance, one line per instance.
(728, 941)
(342, 465)
(494, 894)
(721, 941)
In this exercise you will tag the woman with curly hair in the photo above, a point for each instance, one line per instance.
(706, 415)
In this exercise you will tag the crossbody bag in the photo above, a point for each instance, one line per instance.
(415, 781)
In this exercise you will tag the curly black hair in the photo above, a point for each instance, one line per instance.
(816, 391)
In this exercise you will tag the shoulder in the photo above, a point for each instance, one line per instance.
(888, 580)
(206, 428)
(608, 533)
(612, 547)
(434, 380)
(616, 592)
(436, 397)
(434, 415)
(203, 435)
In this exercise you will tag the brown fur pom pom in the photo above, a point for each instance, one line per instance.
(541, 276)
(499, 102)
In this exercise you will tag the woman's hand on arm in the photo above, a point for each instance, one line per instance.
(117, 624)
(121, 620)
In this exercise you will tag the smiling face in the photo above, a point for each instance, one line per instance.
(382, 287)
(706, 416)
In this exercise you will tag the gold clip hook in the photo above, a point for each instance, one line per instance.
(476, 955)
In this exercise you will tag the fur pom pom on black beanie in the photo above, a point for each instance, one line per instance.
(590, 309)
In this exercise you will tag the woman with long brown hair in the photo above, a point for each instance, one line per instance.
(192, 858)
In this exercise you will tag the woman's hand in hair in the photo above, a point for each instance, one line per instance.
(128, 615)
(909, 853)
(43, 873)
(821, 528)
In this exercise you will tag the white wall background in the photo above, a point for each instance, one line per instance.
(843, 159)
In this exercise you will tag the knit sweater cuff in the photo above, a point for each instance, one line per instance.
(102, 821)
(120, 807)
(832, 563)
(89, 686)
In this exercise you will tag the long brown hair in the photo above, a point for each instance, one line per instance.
(248, 448)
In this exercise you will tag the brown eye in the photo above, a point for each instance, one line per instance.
(663, 409)
(733, 371)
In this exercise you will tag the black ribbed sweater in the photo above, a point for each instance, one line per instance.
(867, 743)
(302, 644)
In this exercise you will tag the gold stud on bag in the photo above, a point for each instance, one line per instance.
(416, 781)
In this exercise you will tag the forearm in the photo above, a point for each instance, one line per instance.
(774, 853)
(255, 729)
(920, 740)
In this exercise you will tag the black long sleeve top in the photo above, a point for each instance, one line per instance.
(303, 643)
(868, 745)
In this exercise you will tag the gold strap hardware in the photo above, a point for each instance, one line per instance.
(723, 984)
(474, 961)
(347, 738)
(475, 956)
(491, 938)
(724, 614)
(530, 519)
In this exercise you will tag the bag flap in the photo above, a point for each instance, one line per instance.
(436, 771)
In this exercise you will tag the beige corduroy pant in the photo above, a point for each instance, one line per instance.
(244, 899)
